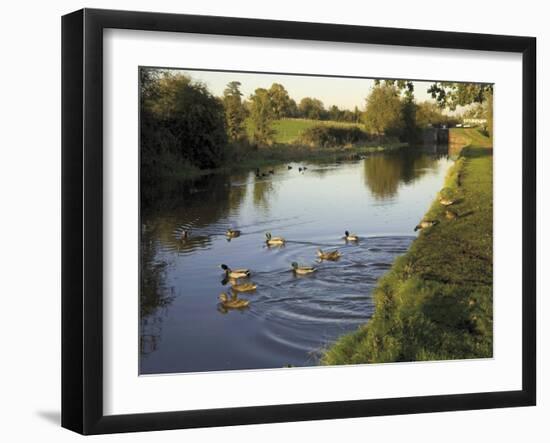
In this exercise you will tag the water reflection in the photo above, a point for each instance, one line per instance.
(289, 319)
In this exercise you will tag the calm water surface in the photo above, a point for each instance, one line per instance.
(290, 319)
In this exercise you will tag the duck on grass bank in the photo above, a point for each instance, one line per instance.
(425, 224)
(446, 201)
(232, 302)
(302, 270)
(232, 233)
(243, 287)
(350, 237)
(235, 273)
(328, 255)
(451, 215)
(274, 241)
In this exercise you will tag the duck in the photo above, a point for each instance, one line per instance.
(446, 201)
(304, 168)
(274, 241)
(450, 215)
(235, 273)
(232, 233)
(330, 255)
(299, 169)
(271, 171)
(350, 237)
(232, 302)
(243, 287)
(302, 270)
(289, 167)
(184, 234)
(425, 224)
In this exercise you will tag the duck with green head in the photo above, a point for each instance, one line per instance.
(350, 237)
(274, 241)
(235, 273)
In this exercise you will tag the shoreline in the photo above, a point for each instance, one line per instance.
(279, 154)
(435, 302)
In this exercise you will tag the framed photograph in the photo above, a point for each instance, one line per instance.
(269, 221)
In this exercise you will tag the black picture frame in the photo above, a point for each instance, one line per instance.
(82, 218)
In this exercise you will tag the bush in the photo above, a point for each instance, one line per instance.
(325, 136)
(181, 122)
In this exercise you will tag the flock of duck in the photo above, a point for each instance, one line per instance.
(240, 278)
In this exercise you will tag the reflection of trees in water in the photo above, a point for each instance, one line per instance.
(153, 293)
(384, 173)
(262, 190)
(197, 205)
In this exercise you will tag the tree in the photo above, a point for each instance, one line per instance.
(262, 116)
(184, 123)
(334, 113)
(311, 108)
(235, 113)
(450, 95)
(280, 100)
(383, 114)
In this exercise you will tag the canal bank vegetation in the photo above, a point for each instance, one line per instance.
(436, 301)
(187, 131)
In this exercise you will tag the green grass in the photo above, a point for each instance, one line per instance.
(436, 301)
(288, 130)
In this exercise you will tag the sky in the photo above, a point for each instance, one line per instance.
(346, 93)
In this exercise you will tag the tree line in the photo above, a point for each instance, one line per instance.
(182, 124)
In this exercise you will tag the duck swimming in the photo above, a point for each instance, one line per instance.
(425, 224)
(243, 287)
(328, 255)
(274, 241)
(302, 270)
(350, 237)
(232, 233)
(235, 273)
(184, 234)
(233, 302)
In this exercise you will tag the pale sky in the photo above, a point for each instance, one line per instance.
(346, 93)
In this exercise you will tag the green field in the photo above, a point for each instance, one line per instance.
(288, 130)
(436, 301)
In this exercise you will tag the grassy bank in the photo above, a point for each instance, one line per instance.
(436, 301)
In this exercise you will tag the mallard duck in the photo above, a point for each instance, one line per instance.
(232, 233)
(350, 237)
(302, 270)
(328, 255)
(235, 273)
(273, 241)
(446, 201)
(425, 224)
(233, 302)
(450, 215)
(243, 287)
